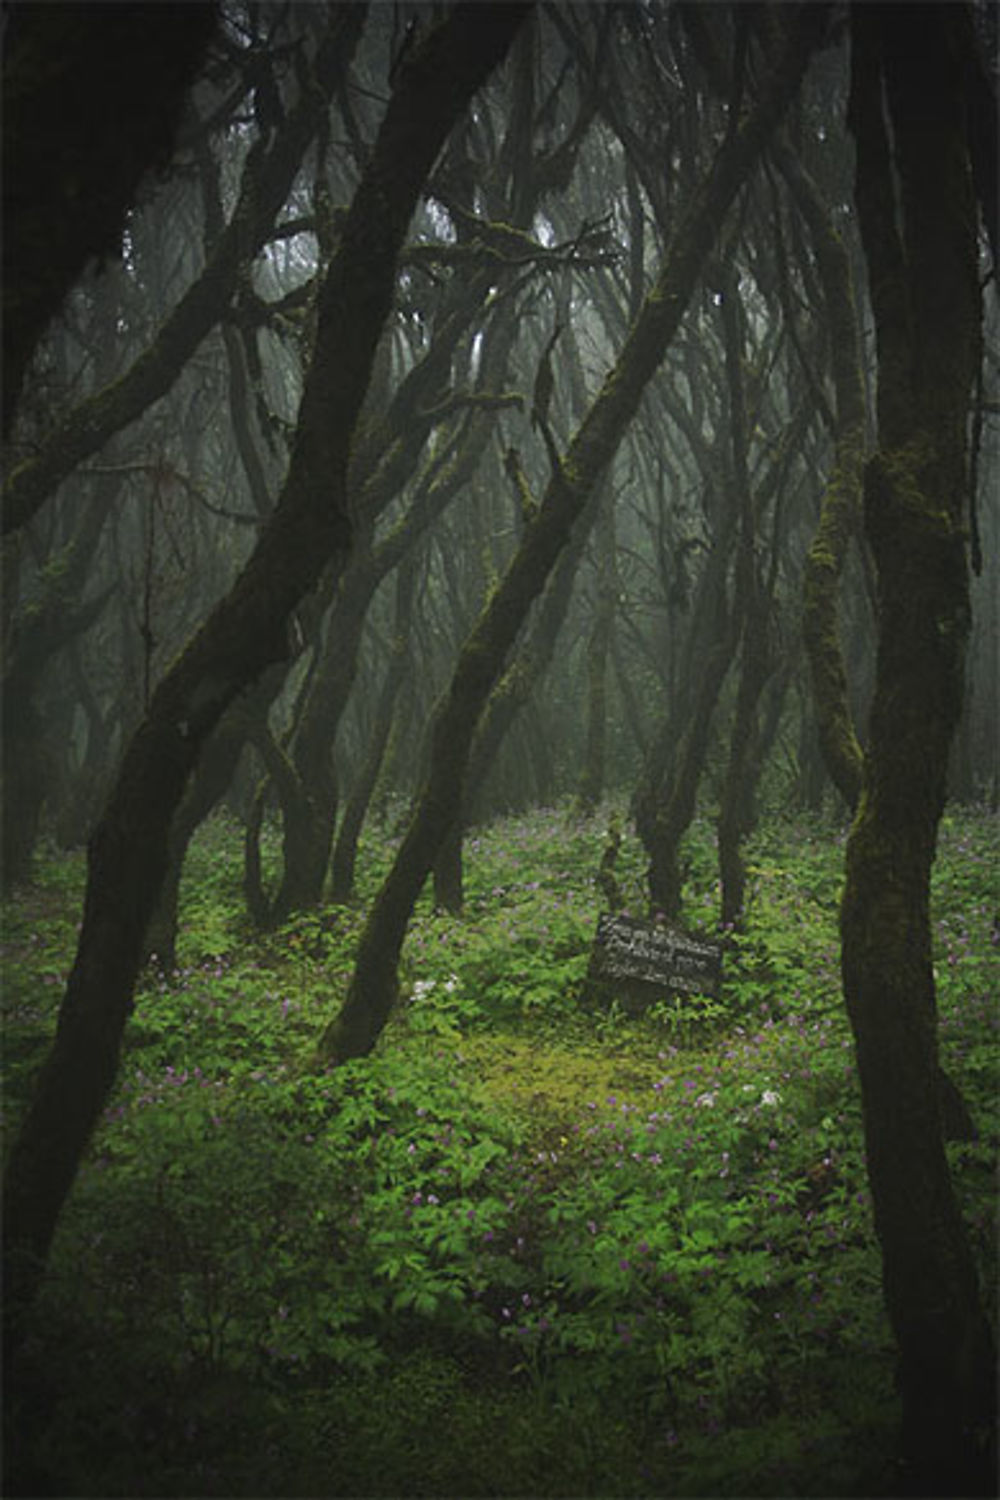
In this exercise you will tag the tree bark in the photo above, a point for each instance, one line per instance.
(373, 987)
(308, 529)
(923, 285)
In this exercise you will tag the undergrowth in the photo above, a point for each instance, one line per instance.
(529, 1246)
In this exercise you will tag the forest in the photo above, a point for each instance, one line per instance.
(500, 748)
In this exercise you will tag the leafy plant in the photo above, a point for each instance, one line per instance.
(517, 1220)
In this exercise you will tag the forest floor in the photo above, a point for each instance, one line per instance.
(529, 1247)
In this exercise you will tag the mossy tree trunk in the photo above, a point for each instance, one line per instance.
(922, 274)
(308, 531)
(373, 987)
(840, 507)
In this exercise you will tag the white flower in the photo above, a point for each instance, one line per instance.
(770, 1097)
(705, 1101)
(422, 987)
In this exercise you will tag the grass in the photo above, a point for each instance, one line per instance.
(526, 1248)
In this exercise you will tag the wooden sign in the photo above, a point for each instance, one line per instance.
(643, 962)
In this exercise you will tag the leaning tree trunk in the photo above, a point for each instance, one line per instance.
(373, 986)
(245, 632)
(923, 287)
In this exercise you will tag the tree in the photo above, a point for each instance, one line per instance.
(922, 279)
(269, 171)
(308, 531)
(373, 986)
(67, 190)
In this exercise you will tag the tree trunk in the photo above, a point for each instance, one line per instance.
(705, 622)
(737, 816)
(811, 774)
(664, 803)
(840, 508)
(207, 786)
(675, 809)
(923, 286)
(449, 872)
(752, 607)
(356, 808)
(373, 986)
(591, 786)
(245, 632)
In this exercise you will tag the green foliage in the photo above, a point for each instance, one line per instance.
(523, 1248)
